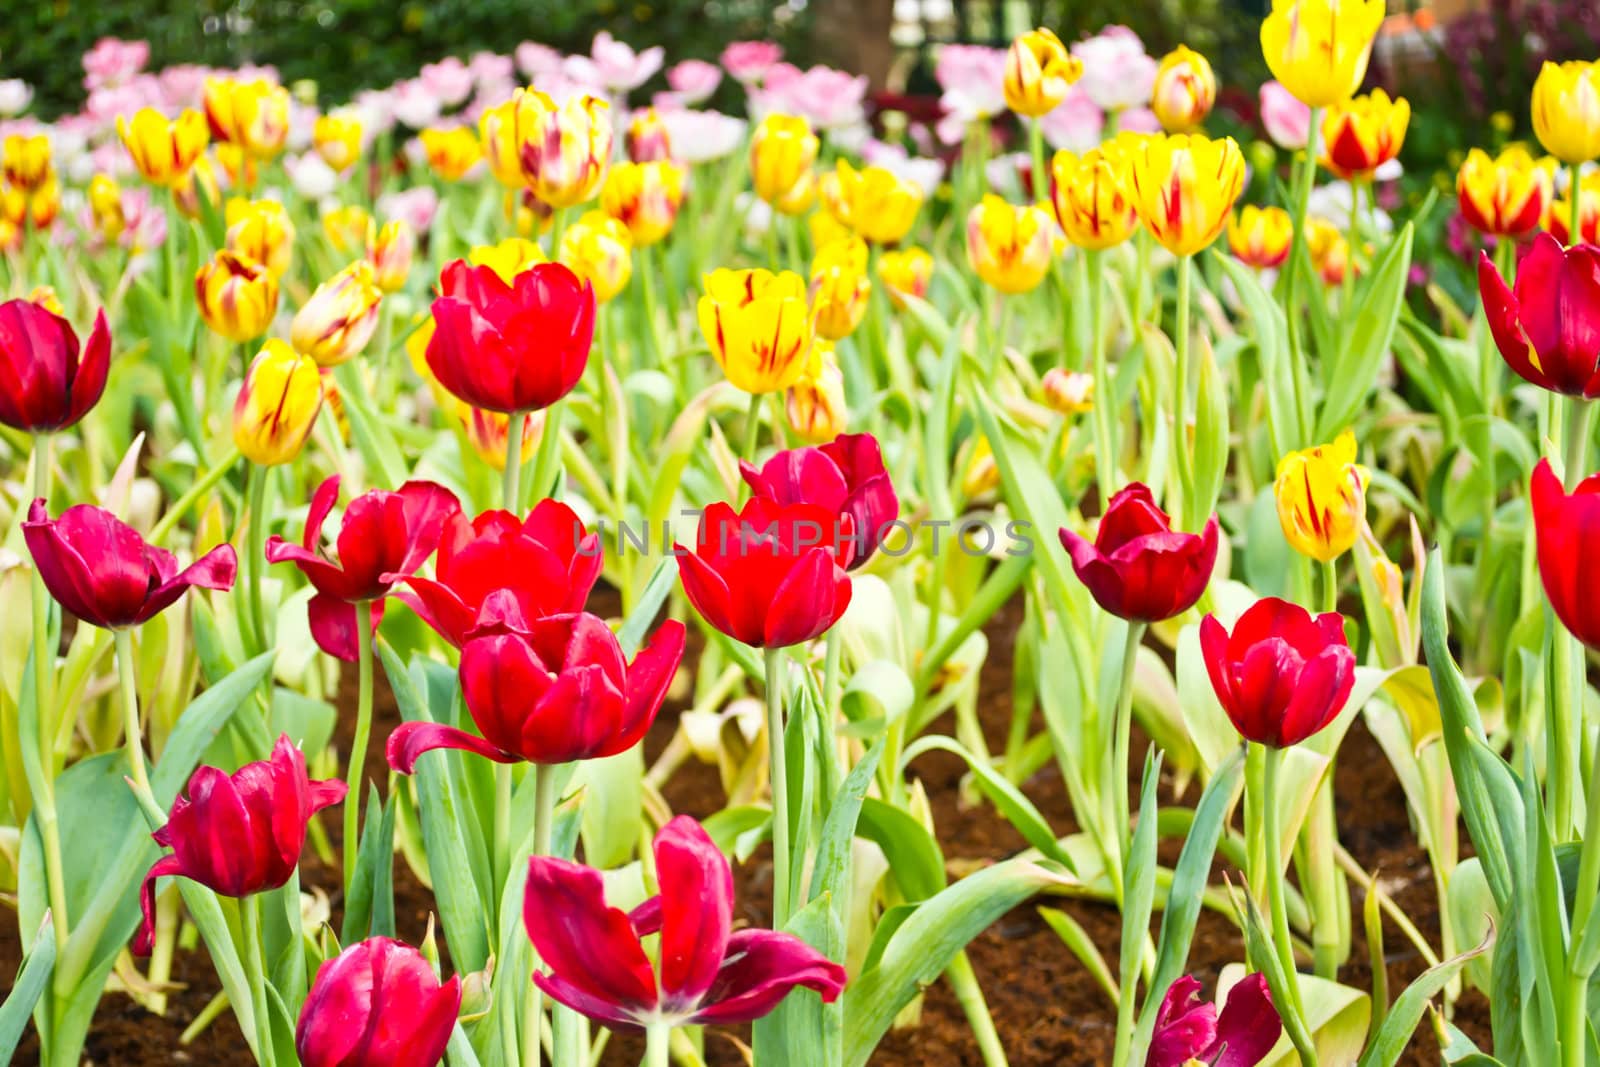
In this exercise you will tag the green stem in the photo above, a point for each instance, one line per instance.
(544, 783)
(969, 994)
(558, 230)
(547, 459)
(1117, 779)
(511, 475)
(1352, 243)
(1575, 220)
(256, 975)
(1565, 678)
(647, 290)
(1276, 899)
(1302, 207)
(1330, 585)
(502, 822)
(254, 553)
(132, 733)
(1105, 427)
(657, 1040)
(752, 429)
(42, 763)
(181, 506)
(1180, 398)
(779, 771)
(774, 256)
(358, 747)
(1041, 177)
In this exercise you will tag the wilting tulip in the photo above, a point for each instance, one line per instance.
(562, 148)
(758, 327)
(840, 288)
(1322, 498)
(46, 384)
(1039, 71)
(708, 973)
(99, 568)
(1261, 236)
(497, 571)
(488, 432)
(644, 197)
(1319, 49)
(815, 405)
(770, 575)
(1361, 135)
(1329, 249)
(555, 690)
(451, 153)
(905, 272)
(846, 477)
(338, 320)
(347, 227)
(1138, 567)
(1558, 214)
(1068, 392)
(163, 150)
(1185, 186)
(377, 1004)
(1565, 526)
(383, 538)
(507, 258)
(277, 405)
(600, 252)
(1009, 247)
(390, 253)
(251, 115)
(337, 138)
(27, 161)
(1566, 110)
(1185, 90)
(782, 151)
(511, 347)
(260, 230)
(1282, 675)
(1548, 329)
(1242, 1036)
(648, 139)
(237, 834)
(237, 296)
(1091, 200)
(877, 203)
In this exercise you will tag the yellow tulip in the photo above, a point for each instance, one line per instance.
(253, 116)
(1089, 194)
(562, 148)
(261, 230)
(644, 197)
(814, 406)
(497, 132)
(487, 432)
(905, 272)
(163, 150)
(240, 166)
(598, 250)
(1319, 49)
(390, 252)
(800, 197)
(105, 207)
(417, 351)
(237, 296)
(877, 203)
(1039, 71)
(840, 288)
(758, 327)
(527, 213)
(782, 150)
(981, 474)
(1566, 110)
(1184, 186)
(27, 162)
(337, 139)
(1261, 236)
(508, 258)
(452, 153)
(1330, 252)
(1322, 498)
(648, 140)
(1068, 392)
(1505, 195)
(1184, 91)
(200, 180)
(46, 297)
(338, 320)
(1009, 246)
(1363, 134)
(347, 227)
(277, 405)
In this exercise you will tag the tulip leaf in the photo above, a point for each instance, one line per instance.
(1394, 1035)
(803, 1031)
(915, 862)
(1272, 346)
(381, 452)
(1081, 944)
(1210, 437)
(830, 871)
(369, 906)
(29, 985)
(635, 628)
(1349, 376)
(613, 809)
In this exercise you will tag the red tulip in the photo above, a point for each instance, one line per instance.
(708, 973)
(1139, 568)
(1282, 675)
(770, 575)
(511, 348)
(99, 568)
(238, 834)
(1187, 1032)
(495, 572)
(556, 692)
(845, 476)
(1565, 528)
(383, 538)
(45, 385)
(1548, 330)
(377, 1004)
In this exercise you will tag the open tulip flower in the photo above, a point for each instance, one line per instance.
(707, 973)
(553, 691)
(563, 149)
(1138, 567)
(383, 537)
(1564, 528)
(1090, 195)
(1548, 326)
(164, 149)
(1281, 675)
(1321, 494)
(845, 476)
(1185, 186)
(377, 1004)
(1319, 49)
(253, 115)
(758, 326)
(1188, 1032)
(98, 567)
(879, 204)
(1566, 110)
(46, 382)
(238, 834)
(1261, 236)
(644, 197)
(1361, 135)
(1039, 71)
(1009, 247)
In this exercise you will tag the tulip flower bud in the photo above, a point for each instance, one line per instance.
(337, 139)
(105, 207)
(905, 272)
(377, 1004)
(487, 432)
(253, 116)
(648, 140)
(200, 180)
(562, 148)
(277, 405)
(1506, 195)
(1039, 71)
(1185, 90)
(840, 288)
(980, 475)
(27, 161)
(599, 251)
(451, 153)
(238, 297)
(1185, 186)
(338, 320)
(758, 327)
(645, 197)
(390, 253)
(815, 405)
(1330, 252)
(1361, 135)
(347, 228)
(1322, 498)
(45, 383)
(782, 151)
(1566, 110)
(260, 230)
(163, 150)
(507, 258)
(1261, 236)
(1319, 49)
(1068, 392)
(879, 204)
(1009, 247)
(1138, 567)
(1282, 675)
(1090, 197)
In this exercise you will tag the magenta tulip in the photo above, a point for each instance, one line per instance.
(1548, 328)
(1281, 675)
(377, 1004)
(845, 476)
(45, 383)
(1187, 1032)
(1138, 567)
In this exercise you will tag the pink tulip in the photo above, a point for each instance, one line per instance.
(414, 104)
(377, 1004)
(449, 79)
(694, 80)
(1287, 120)
(972, 77)
(749, 61)
(111, 62)
(1117, 72)
(619, 67)
(1076, 124)
(830, 98)
(701, 136)
(491, 68)
(417, 206)
(536, 60)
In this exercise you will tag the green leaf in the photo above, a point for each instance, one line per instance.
(1271, 332)
(1082, 945)
(830, 871)
(1348, 378)
(1211, 435)
(1395, 1033)
(369, 907)
(915, 862)
(26, 989)
(636, 626)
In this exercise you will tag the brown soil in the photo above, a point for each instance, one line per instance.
(1046, 1008)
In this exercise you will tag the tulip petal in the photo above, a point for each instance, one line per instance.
(1248, 1026)
(696, 911)
(89, 377)
(1214, 651)
(759, 970)
(1318, 694)
(437, 605)
(334, 625)
(708, 593)
(216, 569)
(803, 604)
(411, 739)
(652, 671)
(166, 865)
(583, 941)
(585, 1003)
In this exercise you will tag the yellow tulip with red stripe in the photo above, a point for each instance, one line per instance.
(758, 327)
(644, 197)
(338, 320)
(1090, 198)
(598, 249)
(1330, 251)
(347, 227)
(497, 137)
(277, 405)
(876, 202)
(1504, 195)
(105, 207)
(1321, 495)
(451, 153)
(390, 252)
(1566, 110)
(201, 180)
(507, 258)
(1009, 246)
(1184, 186)
(27, 161)
(782, 150)
(1363, 134)
(905, 272)
(563, 149)
(1558, 216)
(1185, 90)
(814, 406)
(253, 116)
(1038, 72)
(261, 230)
(1067, 392)
(1319, 49)
(488, 432)
(648, 140)
(337, 138)
(1261, 236)
(164, 149)
(237, 296)
(840, 287)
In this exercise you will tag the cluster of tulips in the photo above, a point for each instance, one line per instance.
(830, 402)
